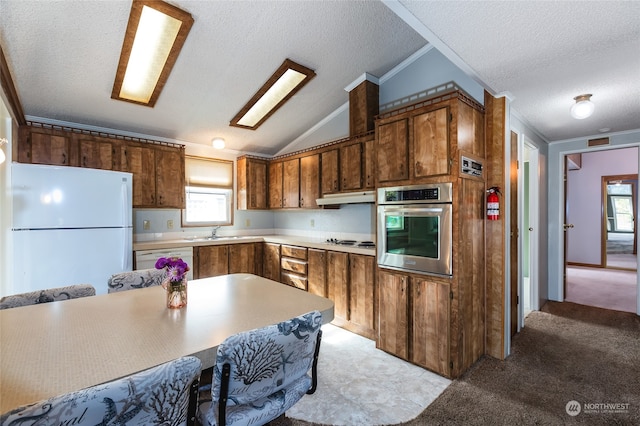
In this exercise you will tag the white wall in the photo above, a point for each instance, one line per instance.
(429, 70)
(557, 150)
(521, 128)
(584, 199)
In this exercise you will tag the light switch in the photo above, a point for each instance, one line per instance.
(146, 225)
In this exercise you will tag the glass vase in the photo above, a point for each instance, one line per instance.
(176, 294)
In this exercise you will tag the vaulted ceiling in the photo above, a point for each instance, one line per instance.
(63, 55)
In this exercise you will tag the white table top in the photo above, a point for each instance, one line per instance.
(53, 348)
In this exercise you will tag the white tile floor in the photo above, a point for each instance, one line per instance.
(361, 385)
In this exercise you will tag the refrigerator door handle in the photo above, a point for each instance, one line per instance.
(126, 211)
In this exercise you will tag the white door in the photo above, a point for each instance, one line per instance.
(529, 224)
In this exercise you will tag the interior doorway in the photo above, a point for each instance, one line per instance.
(600, 217)
(530, 226)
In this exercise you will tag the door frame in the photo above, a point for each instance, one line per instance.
(605, 216)
(557, 267)
(531, 155)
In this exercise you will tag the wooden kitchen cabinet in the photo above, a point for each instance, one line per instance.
(329, 175)
(430, 319)
(252, 183)
(309, 181)
(98, 153)
(242, 258)
(424, 143)
(215, 260)
(317, 272)
(170, 180)
(293, 266)
(44, 146)
(431, 155)
(393, 317)
(422, 302)
(362, 285)
(140, 161)
(351, 167)
(271, 263)
(368, 163)
(275, 184)
(212, 261)
(392, 150)
(338, 285)
(291, 183)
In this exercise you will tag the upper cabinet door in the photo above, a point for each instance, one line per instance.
(251, 184)
(275, 185)
(368, 163)
(291, 183)
(431, 143)
(351, 167)
(170, 177)
(141, 162)
(392, 158)
(97, 154)
(47, 149)
(329, 173)
(309, 181)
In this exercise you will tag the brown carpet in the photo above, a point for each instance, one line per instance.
(566, 352)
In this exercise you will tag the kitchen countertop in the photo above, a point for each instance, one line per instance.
(278, 239)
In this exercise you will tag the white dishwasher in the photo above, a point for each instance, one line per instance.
(146, 259)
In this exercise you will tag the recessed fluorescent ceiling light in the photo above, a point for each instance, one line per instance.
(281, 86)
(155, 34)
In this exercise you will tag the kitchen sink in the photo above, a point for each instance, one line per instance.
(214, 238)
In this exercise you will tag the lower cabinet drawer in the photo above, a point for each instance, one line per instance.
(294, 280)
(293, 265)
(293, 251)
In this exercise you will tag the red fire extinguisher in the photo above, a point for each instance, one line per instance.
(493, 203)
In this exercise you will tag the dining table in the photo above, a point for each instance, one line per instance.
(54, 348)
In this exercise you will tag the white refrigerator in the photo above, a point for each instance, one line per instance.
(70, 225)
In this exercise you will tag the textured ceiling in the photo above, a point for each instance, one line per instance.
(544, 53)
(63, 56)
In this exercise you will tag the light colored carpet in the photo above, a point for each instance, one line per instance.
(603, 288)
(361, 385)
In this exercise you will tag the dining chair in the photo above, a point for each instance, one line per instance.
(140, 278)
(165, 394)
(260, 374)
(47, 295)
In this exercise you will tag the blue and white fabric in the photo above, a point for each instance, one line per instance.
(269, 371)
(140, 278)
(46, 296)
(157, 396)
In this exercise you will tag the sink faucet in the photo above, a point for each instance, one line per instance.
(214, 231)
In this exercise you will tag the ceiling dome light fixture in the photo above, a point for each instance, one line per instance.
(218, 143)
(583, 107)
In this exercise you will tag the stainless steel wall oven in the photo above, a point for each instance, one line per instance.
(414, 228)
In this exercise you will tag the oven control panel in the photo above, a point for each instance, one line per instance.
(470, 167)
(416, 194)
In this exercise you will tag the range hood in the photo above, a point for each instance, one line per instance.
(347, 198)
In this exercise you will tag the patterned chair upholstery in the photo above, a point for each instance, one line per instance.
(48, 295)
(259, 374)
(166, 394)
(140, 278)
